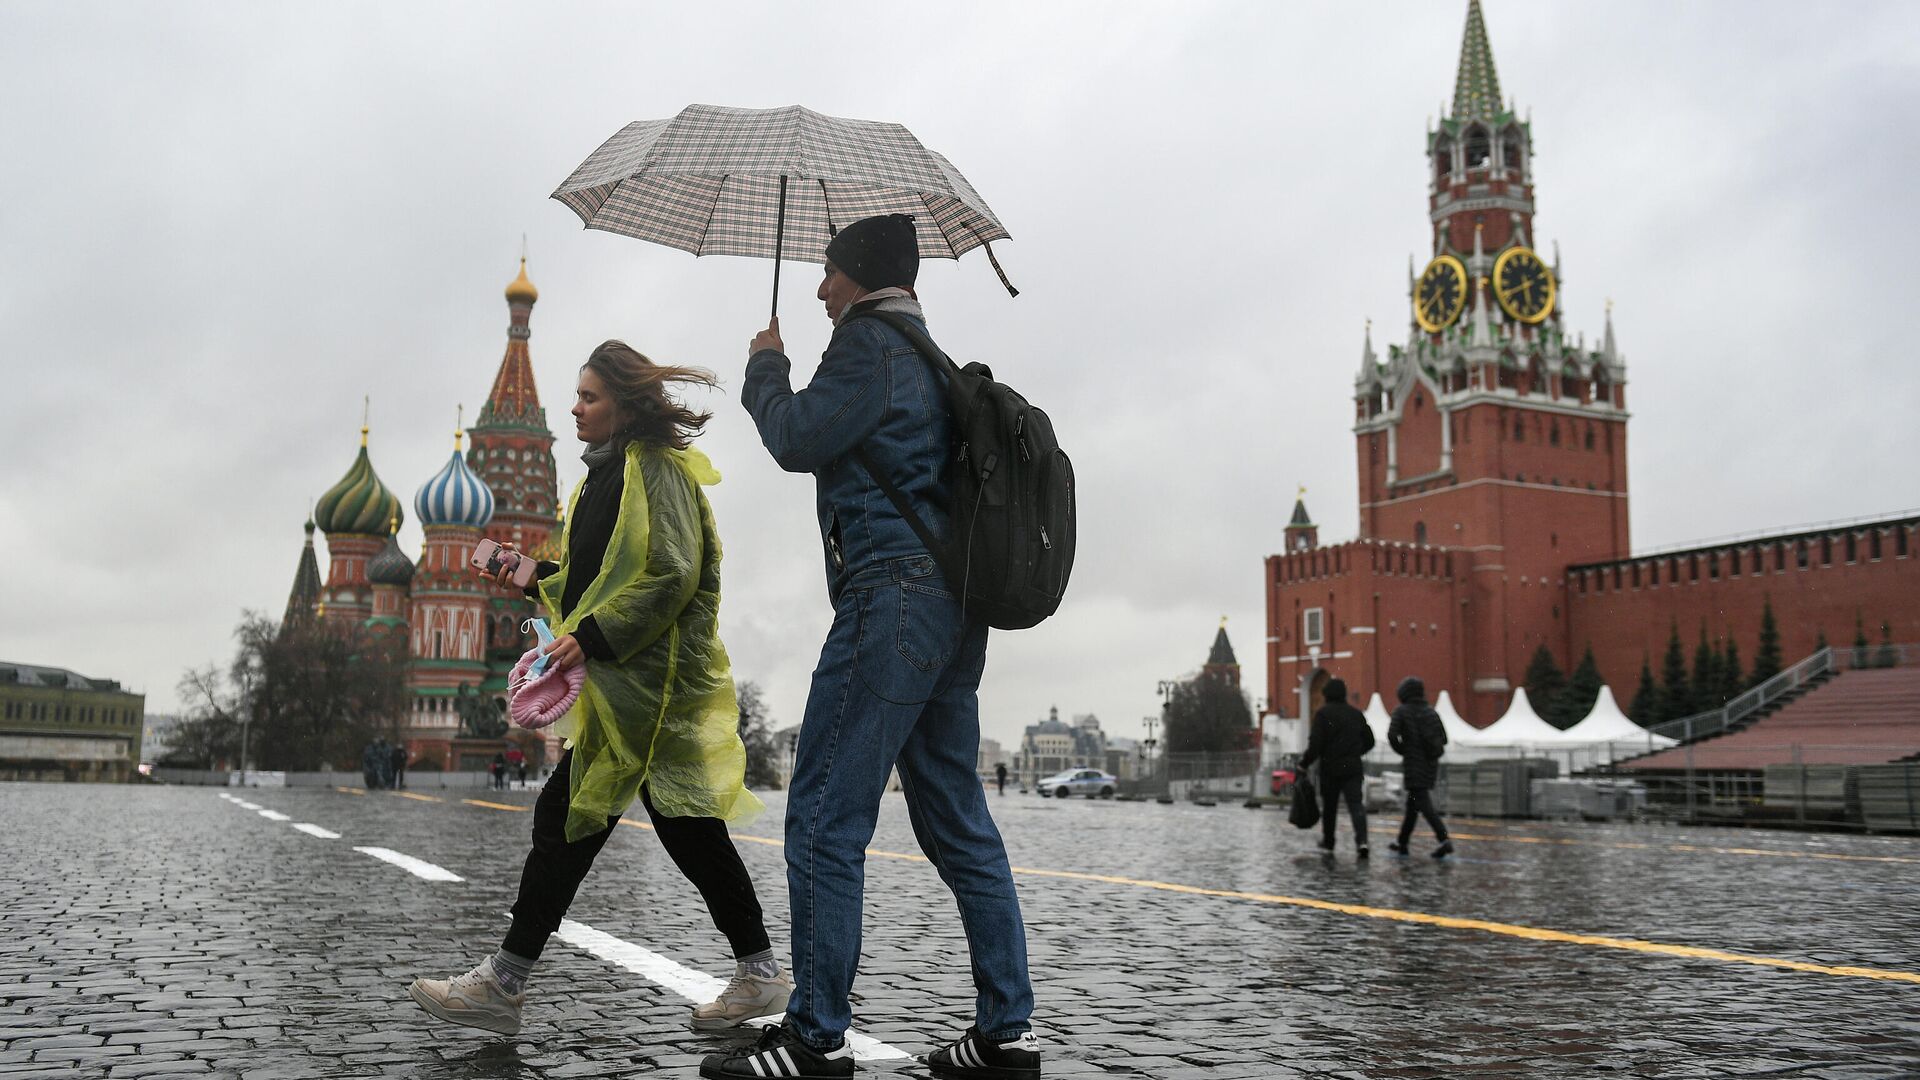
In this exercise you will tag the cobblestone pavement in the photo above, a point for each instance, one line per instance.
(158, 931)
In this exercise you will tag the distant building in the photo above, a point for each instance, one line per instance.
(991, 754)
(1125, 758)
(1053, 745)
(59, 725)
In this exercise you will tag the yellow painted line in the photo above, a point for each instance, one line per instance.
(1508, 929)
(351, 790)
(496, 805)
(1620, 845)
(416, 798)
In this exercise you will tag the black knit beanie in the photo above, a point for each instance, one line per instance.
(1335, 690)
(877, 252)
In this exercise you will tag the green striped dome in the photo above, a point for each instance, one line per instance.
(359, 503)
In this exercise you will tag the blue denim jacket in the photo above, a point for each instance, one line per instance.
(871, 390)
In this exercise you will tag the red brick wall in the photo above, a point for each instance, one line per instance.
(1390, 610)
(1627, 623)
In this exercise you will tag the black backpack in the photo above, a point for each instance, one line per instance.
(1012, 512)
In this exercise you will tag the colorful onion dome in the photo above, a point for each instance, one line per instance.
(455, 496)
(359, 504)
(520, 290)
(391, 566)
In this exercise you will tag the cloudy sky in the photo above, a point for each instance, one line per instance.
(221, 225)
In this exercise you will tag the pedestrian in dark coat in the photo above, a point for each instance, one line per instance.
(399, 760)
(1338, 739)
(369, 766)
(1418, 736)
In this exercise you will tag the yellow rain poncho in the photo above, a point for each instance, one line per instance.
(663, 714)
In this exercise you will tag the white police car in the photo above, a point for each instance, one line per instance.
(1088, 782)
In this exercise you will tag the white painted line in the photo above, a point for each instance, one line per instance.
(245, 805)
(274, 815)
(416, 867)
(315, 830)
(688, 983)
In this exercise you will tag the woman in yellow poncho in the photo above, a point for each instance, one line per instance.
(636, 599)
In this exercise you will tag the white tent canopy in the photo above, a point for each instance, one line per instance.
(1521, 726)
(1378, 718)
(1607, 724)
(1457, 728)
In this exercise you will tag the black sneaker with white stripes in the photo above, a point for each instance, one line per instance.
(781, 1053)
(975, 1057)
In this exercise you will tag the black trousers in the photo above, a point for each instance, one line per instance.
(1352, 789)
(1420, 804)
(700, 847)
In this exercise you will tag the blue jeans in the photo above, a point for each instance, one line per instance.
(897, 685)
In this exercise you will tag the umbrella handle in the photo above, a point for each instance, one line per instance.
(779, 238)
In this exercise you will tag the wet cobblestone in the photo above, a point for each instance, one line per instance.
(165, 931)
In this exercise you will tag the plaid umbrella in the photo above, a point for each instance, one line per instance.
(774, 183)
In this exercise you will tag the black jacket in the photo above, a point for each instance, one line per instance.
(1418, 736)
(594, 515)
(1338, 739)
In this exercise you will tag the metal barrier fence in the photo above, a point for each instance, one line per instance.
(1184, 777)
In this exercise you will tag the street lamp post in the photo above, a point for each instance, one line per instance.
(1166, 687)
(1259, 744)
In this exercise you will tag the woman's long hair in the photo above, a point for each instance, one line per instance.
(639, 386)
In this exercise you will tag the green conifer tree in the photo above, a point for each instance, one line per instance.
(1706, 674)
(1546, 685)
(1676, 694)
(1646, 709)
(1583, 689)
(1730, 678)
(1766, 662)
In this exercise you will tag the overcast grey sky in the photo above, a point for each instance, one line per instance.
(221, 224)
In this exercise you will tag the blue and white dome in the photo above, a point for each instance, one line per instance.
(455, 496)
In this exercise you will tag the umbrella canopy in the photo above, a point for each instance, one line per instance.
(773, 184)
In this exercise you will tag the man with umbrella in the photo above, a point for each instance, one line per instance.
(897, 680)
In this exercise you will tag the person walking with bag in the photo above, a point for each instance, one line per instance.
(1418, 736)
(637, 599)
(898, 678)
(1338, 739)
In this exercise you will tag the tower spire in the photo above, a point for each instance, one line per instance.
(1476, 89)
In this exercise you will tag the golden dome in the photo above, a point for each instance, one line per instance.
(521, 291)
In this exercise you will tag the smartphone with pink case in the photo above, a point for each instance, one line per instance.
(490, 558)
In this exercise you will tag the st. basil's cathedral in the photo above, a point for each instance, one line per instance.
(462, 634)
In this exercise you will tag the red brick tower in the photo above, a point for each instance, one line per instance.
(1492, 448)
(513, 455)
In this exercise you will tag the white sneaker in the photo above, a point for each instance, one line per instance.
(475, 999)
(746, 997)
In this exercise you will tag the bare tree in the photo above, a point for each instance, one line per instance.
(207, 736)
(756, 731)
(317, 692)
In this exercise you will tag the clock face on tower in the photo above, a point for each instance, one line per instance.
(1523, 285)
(1441, 295)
